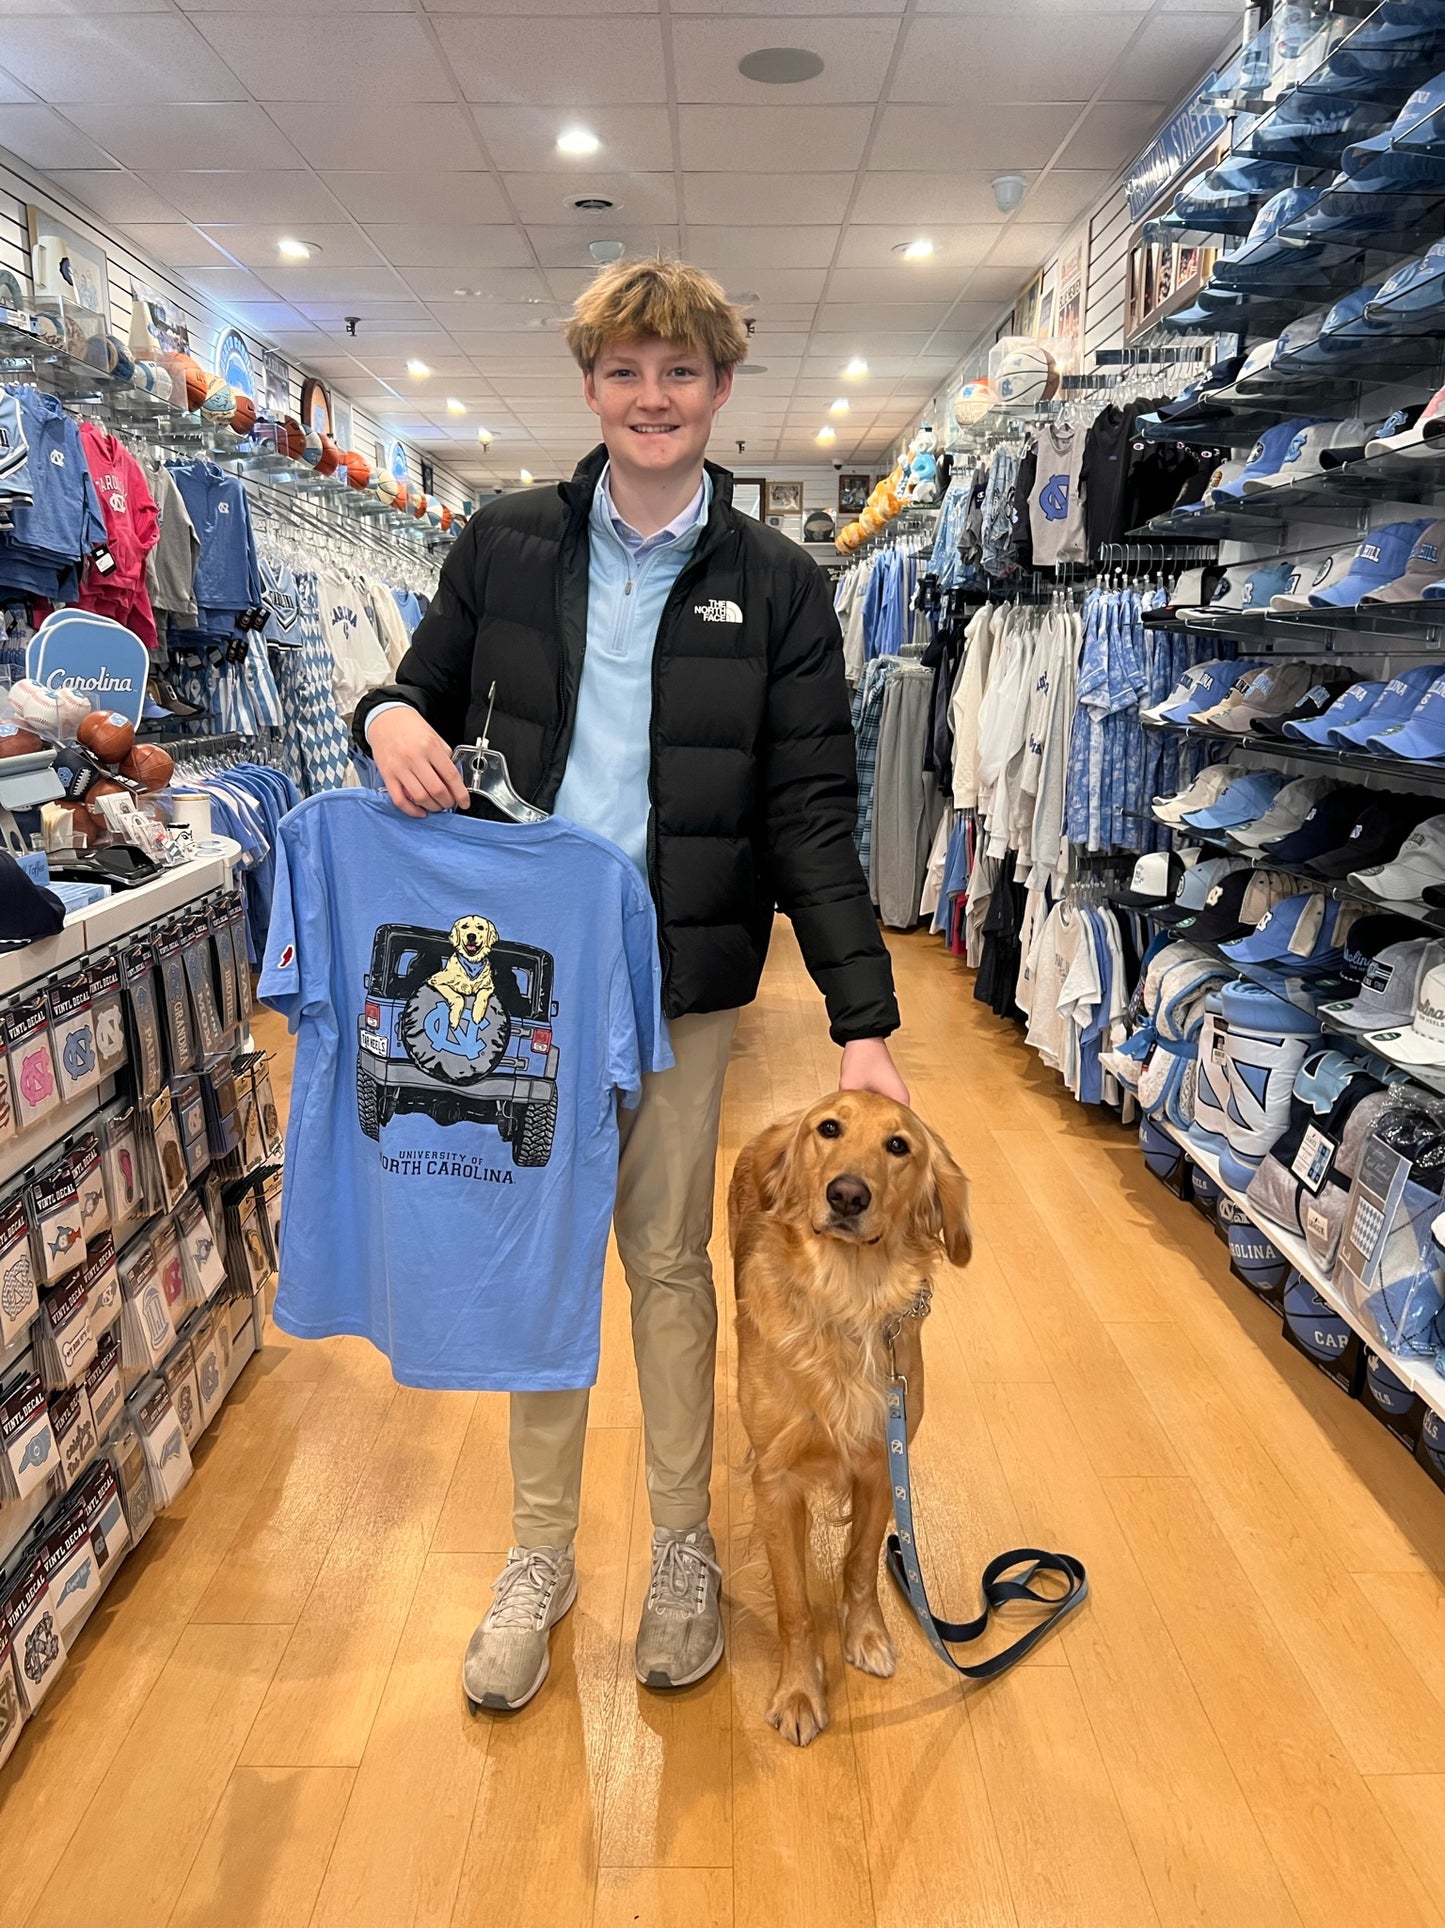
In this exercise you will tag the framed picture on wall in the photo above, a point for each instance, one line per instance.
(784, 498)
(853, 493)
(748, 495)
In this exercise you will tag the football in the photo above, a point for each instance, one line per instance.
(149, 764)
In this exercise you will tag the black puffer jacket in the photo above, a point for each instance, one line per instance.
(753, 780)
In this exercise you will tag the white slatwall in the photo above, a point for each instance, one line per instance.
(126, 267)
(1109, 232)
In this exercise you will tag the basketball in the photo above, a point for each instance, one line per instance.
(78, 831)
(107, 735)
(446, 518)
(1314, 1323)
(292, 439)
(972, 402)
(105, 788)
(243, 418)
(358, 471)
(16, 740)
(330, 457)
(188, 379)
(149, 764)
(1026, 374)
(383, 486)
(219, 403)
(311, 449)
(418, 507)
(399, 501)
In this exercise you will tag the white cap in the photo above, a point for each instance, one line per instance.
(1413, 440)
(1424, 1041)
(1421, 861)
(1208, 787)
(1302, 457)
(1285, 814)
(1312, 574)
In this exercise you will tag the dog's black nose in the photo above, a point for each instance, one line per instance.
(849, 1197)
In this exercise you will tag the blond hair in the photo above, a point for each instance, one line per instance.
(666, 300)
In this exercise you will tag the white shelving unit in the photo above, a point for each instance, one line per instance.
(1418, 1374)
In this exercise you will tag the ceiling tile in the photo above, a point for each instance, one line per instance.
(736, 251)
(269, 318)
(817, 137)
(435, 244)
(379, 58)
(753, 199)
(453, 195)
(441, 135)
(1026, 244)
(338, 245)
(878, 318)
(114, 196)
(1168, 58)
(232, 284)
(150, 57)
(1064, 193)
(283, 195)
(1112, 133)
(525, 138)
(574, 62)
(311, 7)
(310, 287)
(786, 284)
(1062, 57)
(509, 298)
(1002, 281)
(546, 198)
(69, 7)
(871, 246)
(13, 90)
(996, 138)
(175, 244)
(233, 134)
(920, 201)
(707, 52)
(885, 287)
(43, 139)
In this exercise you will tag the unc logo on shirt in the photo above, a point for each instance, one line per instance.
(719, 610)
(57, 457)
(1054, 498)
(223, 508)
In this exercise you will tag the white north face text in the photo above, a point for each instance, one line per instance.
(718, 612)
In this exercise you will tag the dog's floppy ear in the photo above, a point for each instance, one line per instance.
(948, 1202)
(774, 1162)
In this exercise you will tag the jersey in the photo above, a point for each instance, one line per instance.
(14, 453)
(282, 603)
(357, 657)
(470, 1000)
(1056, 511)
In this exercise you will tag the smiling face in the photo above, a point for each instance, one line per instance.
(655, 402)
(863, 1169)
(473, 937)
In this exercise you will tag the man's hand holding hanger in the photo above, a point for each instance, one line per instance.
(415, 763)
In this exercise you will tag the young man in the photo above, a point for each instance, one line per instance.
(669, 675)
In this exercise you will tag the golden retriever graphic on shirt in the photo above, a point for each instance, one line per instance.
(465, 980)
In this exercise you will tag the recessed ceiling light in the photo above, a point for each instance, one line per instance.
(526, 476)
(841, 406)
(827, 434)
(417, 368)
(781, 66)
(856, 369)
(454, 407)
(577, 140)
(913, 250)
(293, 250)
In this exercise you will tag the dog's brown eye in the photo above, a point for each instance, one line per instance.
(898, 1147)
(830, 1128)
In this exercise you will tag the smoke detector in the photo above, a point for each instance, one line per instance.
(1009, 190)
(605, 251)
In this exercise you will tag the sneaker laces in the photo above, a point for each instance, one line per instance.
(679, 1577)
(523, 1590)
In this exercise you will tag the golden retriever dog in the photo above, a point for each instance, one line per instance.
(839, 1218)
(466, 977)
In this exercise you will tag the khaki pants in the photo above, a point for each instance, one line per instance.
(663, 1221)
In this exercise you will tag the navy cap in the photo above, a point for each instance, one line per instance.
(1306, 126)
(1420, 124)
(1346, 326)
(1199, 881)
(1220, 375)
(1413, 297)
(1267, 247)
(1219, 918)
(1382, 823)
(1323, 829)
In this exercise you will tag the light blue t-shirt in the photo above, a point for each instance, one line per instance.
(470, 1001)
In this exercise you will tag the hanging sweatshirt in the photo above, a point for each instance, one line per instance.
(1056, 510)
(63, 522)
(132, 529)
(171, 565)
(228, 575)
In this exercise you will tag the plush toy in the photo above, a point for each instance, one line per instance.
(923, 468)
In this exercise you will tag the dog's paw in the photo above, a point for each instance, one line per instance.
(799, 1711)
(867, 1647)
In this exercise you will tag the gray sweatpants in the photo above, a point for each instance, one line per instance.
(906, 803)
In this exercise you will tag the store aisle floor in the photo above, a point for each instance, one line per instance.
(265, 1728)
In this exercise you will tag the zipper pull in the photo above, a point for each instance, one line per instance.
(627, 587)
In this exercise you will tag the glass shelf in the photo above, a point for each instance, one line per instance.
(1210, 525)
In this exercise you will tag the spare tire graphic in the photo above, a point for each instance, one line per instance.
(461, 1054)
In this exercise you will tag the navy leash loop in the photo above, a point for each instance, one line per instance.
(998, 1588)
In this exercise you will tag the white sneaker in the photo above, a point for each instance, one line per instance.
(681, 1638)
(508, 1655)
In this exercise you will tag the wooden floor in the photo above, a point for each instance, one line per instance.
(265, 1728)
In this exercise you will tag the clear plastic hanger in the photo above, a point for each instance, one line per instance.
(485, 772)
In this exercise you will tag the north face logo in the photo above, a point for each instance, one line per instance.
(718, 611)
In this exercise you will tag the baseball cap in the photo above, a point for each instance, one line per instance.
(1421, 737)
(1291, 806)
(1308, 127)
(1186, 402)
(1381, 557)
(1414, 435)
(1263, 251)
(1278, 687)
(1357, 701)
(1421, 861)
(1425, 565)
(1383, 820)
(1219, 917)
(1208, 787)
(1386, 997)
(1419, 127)
(1179, 702)
(1208, 719)
(1231, 192)
(1308, 574)
(1315, 701)
(1212, 685)
(1324, 827)
(1156, 877)
(1423, 1040)
(1262, 585)
(1391, 50)
(1412, 297)
(1245, 801)
(1193, 892)
(1394, 423)
(1396, 702)
(1303, 928)
(1306, 452)
(1264, 459)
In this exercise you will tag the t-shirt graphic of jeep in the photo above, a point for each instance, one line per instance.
(458, 1024)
